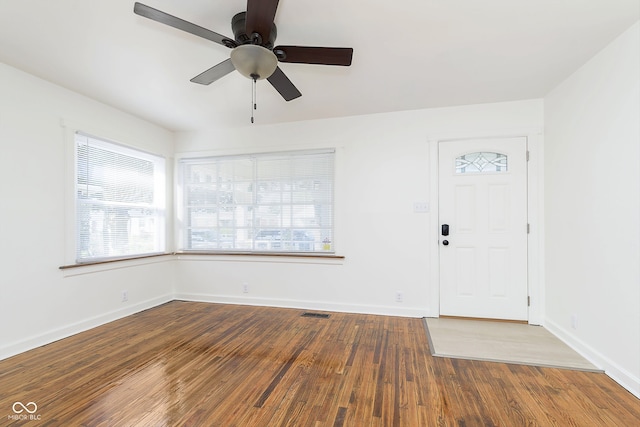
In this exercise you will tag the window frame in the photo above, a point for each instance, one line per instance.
(183, 223)
(158, 205)
(497, 164)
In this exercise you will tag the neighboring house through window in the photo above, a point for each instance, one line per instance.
(274, 202)
(120, 201)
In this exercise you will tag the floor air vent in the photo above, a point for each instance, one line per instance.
(320, 315)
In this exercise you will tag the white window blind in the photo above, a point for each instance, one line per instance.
(120, 201)
(277, 202)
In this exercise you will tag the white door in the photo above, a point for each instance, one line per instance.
(483, 203)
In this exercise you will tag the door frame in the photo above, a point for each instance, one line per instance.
(535, 215)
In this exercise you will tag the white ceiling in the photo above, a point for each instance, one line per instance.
(408, 54)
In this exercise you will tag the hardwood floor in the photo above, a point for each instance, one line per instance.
(199, 364)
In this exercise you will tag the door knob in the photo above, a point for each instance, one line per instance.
(445, 242)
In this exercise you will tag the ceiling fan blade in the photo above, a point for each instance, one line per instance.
(314, 55)
(214, 73)
(180, 24)
(260, 16)
(283, 85)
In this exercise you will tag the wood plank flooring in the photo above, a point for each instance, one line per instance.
(199, 364)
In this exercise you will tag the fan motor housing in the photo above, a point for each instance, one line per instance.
(238, 26)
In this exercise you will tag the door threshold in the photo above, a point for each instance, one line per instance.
(486, 319)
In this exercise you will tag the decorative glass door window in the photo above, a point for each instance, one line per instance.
(481, 162)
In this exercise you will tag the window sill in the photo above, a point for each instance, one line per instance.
(113, 260)
(107, 264)
(261, 257)
(263, 254)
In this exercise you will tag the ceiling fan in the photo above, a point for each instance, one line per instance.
(253, 53)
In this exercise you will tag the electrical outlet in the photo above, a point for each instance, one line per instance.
(125, 296)
(574, 321)
(245, 287)
(399, 296)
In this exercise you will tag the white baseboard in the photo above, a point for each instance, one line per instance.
(48, 337)
(616, 372)
(305, 305)
(613, 370)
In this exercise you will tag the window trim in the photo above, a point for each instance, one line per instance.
(281, 257)
(180, 213)
(115, 260)
(160, 204)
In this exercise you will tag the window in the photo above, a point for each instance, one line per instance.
(278, 202)
(480, 162)
(120, 201)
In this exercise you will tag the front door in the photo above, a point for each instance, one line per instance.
(483, 228)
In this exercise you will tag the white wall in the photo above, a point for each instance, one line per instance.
(382, 169)
(40, 303)
(592, 187)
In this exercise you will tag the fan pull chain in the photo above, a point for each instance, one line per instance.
(254, 105)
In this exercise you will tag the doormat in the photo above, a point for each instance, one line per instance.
(502, 342)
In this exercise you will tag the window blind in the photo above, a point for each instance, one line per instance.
(120, 200)
(276, 202)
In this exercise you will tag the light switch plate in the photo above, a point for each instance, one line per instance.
(420, 207)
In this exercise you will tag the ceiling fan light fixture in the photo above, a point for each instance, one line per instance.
(253, 61)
